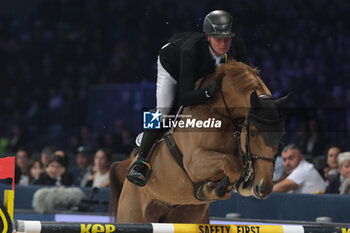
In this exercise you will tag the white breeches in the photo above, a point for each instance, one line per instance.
(166, 89)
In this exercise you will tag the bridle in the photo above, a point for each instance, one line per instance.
(248, 158)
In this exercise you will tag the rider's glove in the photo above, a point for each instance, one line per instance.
(213, 87)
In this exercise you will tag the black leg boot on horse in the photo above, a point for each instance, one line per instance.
(140, 171)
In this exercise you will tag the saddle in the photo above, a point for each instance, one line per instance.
(162, 132)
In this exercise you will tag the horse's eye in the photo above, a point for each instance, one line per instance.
(253, 133)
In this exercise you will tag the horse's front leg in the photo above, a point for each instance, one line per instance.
(206, 165)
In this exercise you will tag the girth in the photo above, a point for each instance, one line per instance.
(178, 156)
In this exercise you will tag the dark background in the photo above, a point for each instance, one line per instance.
(80, 72)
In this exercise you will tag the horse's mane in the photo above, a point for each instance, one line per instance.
(245, 78)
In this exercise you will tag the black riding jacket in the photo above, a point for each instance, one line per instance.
(187, 58)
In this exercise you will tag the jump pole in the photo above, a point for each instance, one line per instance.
(69, 227)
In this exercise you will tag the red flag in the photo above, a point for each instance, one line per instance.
(7, 169)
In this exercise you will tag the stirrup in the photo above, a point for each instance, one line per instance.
(143, 168)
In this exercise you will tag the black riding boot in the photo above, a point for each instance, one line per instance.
(140, 171)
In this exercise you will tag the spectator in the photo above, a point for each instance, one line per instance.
(302, 176)
(23, 160)
(330, 170)
(279, 171)
(344, 170)
(46, 155)
(60, 153)
(55, 173)
(102, 162)
(84, 162)
(35, 169)
(63, 155)
(341, 183)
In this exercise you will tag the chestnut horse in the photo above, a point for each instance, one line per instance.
(191, 213)
(240, 154)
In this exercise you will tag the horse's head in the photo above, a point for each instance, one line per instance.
(259, 144)
(244, 95)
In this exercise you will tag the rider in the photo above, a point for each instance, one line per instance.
(181, 62)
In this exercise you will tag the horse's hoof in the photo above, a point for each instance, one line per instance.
(221, 187)
(200, 194)
(203, 192)
(220, 191)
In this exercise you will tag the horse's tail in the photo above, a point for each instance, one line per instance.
(117, 174)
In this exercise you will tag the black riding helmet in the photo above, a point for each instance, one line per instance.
(218, 24)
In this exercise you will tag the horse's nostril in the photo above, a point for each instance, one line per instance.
(263, 190)
(257, 189)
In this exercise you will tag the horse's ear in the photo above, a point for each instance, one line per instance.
(281, 102)
(254, 99)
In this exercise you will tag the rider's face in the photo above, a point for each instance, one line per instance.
(220, 45)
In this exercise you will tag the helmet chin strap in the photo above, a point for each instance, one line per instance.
(208, 41)
(211, 47)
